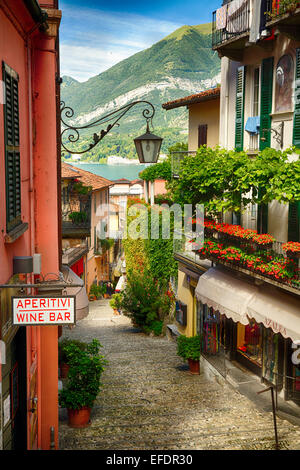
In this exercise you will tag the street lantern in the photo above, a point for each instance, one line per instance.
(148, 146)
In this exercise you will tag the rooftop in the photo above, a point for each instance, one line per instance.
(211, 94)
(86, 177)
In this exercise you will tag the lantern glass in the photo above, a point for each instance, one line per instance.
(148, 147)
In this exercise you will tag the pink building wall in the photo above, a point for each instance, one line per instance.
(34, 57)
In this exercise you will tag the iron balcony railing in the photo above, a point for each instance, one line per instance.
(227, 24)
(76, 215)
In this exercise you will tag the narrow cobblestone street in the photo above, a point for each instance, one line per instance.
(149, 400)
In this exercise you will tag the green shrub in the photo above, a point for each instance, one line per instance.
(65, 347)
(83, 384)
(116, 301)
(189, 347)
(78, 217)
(145, 300)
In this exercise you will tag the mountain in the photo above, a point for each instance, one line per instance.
(182, 63)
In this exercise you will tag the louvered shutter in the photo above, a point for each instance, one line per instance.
(294, 222)
(12, 148)
(239, 108)
(266, 93)
(202, 135)
(296, 128)
(262, 216)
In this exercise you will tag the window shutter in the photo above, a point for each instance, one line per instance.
(294, 222)
(266, 101)
(12, 148)
(262, 217)
(202, 135)
(296, 128)
(239, 108)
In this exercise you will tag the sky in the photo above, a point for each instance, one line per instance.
(95, 35)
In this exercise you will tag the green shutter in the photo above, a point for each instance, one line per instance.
(239, 108)
(296, 128)
(262, 216)
(266, 93)
(12, 151)
(294, 222)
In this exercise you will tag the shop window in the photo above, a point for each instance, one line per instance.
(213, 331)
(270, 360)
(249, 342)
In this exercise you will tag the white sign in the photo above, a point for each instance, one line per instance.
(43, 310)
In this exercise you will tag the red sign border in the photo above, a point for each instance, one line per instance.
(43, 297)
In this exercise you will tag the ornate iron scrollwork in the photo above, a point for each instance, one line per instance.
(71, 132)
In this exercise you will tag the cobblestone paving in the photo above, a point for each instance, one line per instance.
(149, 400)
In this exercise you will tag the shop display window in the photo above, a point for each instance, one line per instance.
(249, 341)
(213, 330)
(270, 361)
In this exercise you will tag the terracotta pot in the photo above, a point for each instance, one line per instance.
(194, 366)
(64, 370)
(92, 297)
(116, 312)
(79, 418)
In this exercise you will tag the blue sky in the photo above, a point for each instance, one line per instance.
(95, 35)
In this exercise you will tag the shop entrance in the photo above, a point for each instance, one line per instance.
(14, 403)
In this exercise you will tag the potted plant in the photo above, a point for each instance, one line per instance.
(83, 385)
(64, 349)
(95, 292)
(116, 303)
(189, 348)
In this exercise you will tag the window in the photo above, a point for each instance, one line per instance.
(12, 147)
(255, 106)
(202, 135)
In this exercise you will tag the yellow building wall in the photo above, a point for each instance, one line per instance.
(185, 293)
(204, 113)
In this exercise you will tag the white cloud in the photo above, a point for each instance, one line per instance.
(93, 41)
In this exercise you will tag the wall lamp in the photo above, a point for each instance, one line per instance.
(278, 134)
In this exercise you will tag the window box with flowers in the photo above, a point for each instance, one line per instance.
(292, 249)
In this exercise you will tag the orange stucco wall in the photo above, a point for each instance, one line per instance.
(33, 57)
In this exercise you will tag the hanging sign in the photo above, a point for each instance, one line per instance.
(43, 310)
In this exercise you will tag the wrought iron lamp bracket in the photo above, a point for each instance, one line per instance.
(278, 134)
(71, 132)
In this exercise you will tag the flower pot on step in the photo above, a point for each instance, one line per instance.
(79, 418)
(194, 366)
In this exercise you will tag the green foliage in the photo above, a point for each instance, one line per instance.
(116, 301)
(145, 301)
(161, 170)
(189, 347)
(98, 291)
(83, 384)
(222, 179)
(106, 243)
(80, 188)
(78, 217)
(65, 348)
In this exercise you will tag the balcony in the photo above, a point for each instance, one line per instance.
(258, 256)
(230, 29)
(231, 24)
(76, 215)
(285, 18)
